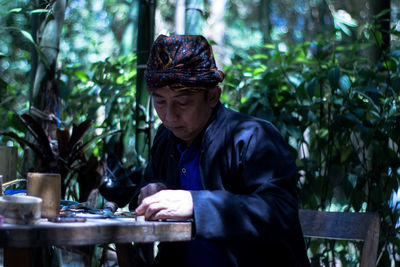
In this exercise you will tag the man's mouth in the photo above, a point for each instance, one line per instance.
(175, 128)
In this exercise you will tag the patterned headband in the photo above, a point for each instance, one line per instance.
(182, 61)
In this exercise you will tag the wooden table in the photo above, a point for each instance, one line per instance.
(91, 232)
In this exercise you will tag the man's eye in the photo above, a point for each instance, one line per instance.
(159, 103)
(183, 103)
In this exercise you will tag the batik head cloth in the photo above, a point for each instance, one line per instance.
(182, 62)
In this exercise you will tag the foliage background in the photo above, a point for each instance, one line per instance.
(304, 65)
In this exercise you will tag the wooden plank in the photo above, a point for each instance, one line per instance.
(93, 231)
(355, 226)
(370, 248)
(335, 225)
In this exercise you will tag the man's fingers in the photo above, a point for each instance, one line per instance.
(167, 204)
(145, 203)
(152, 211)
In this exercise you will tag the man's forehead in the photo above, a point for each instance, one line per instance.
(176, 94)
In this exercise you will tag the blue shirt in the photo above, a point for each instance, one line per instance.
(198, 252)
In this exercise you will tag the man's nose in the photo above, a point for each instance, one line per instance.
(171, 113)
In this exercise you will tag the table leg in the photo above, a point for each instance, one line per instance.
(134, 255)
(124, 254)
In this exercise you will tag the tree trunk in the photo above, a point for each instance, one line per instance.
(218, 29)
(194, 16)
(144, 110)
(180, 17)
(44, 100)
(36, 21)
(130, 33)
(49, 45)
(264, 20)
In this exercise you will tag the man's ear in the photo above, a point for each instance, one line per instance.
(213, 96)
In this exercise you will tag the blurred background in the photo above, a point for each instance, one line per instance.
(325, 72)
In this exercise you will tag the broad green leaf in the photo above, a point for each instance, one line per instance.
(378, 37)
(294, 132)
(392, 110)
(295, 79)
(82, 76)
(344, 83)
(390, 65)
(350, 116)
(311, 116)
(311, 85)
(28, 36)
(382, 13)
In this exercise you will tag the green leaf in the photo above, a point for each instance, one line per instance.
(345, 153)
(390, 65)
(260, 56)
(378, 37)
(392, 110)
(82, 76)
(311, 87)
(40, 11)
(351, 117)
(382, 13)
(15, 10)
(344, 83)
(28, 36)
(311, 116)
(333, 77)
(269, 46)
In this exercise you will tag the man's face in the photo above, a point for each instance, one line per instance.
(185, 113)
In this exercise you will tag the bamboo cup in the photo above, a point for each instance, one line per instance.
(47, 186)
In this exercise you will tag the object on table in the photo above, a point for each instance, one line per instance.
(17, 186)
(20, 209)
(119, 185)
(84, 210)
(47, 186)
(66, 219)
(110, 206)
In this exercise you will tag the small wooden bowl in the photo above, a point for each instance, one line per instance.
(20, 209)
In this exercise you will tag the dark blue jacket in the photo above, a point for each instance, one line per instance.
(250, 202)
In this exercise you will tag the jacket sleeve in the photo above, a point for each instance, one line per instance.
(262, 204)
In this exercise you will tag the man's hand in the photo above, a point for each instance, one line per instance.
(149, 190)
(167, 204)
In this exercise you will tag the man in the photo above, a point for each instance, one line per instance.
(230, 173)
